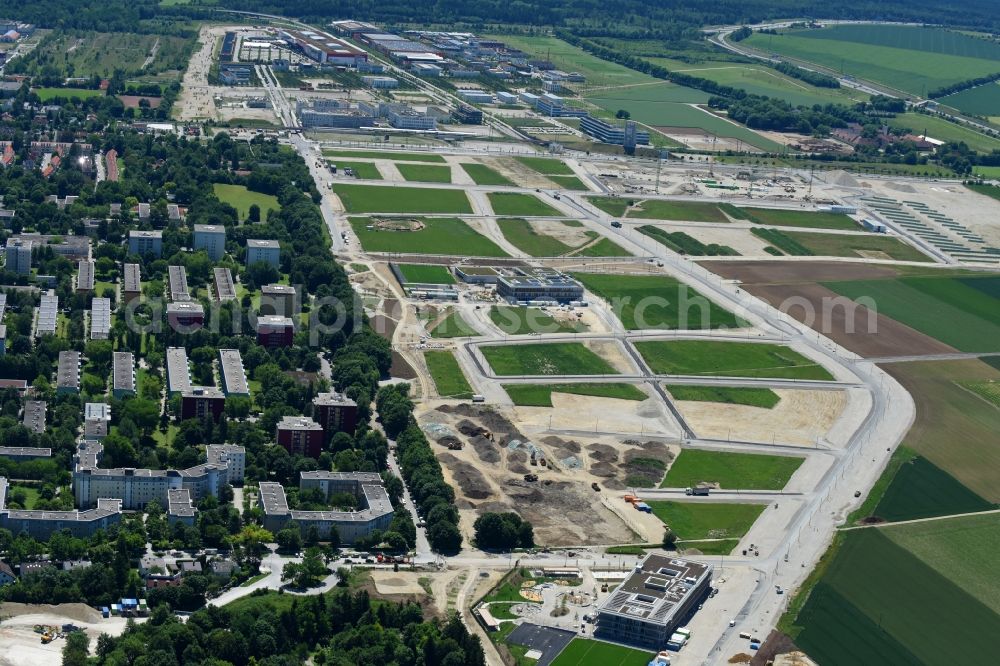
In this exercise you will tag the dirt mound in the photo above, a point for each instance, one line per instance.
(469, 479)
(449, 441)
(400, 368)
(486, 449)
(603, 470)
(396, 224)
(655, 450)
(470, 429)
(603, 453)
(518, 468)
(900, 187)
(502, 429)
(565, 445)
(79, 612)
(842, 178)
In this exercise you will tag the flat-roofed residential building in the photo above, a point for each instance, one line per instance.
(180, 508)
(100, 318)
(145, 243)
(3, 327)
(177, 284)
(202, 401)
(234, 378)
(20, 453)
(96, 419)
(185, 316)
(300, 435)
(18, 256)
(68, 372)
(85, 275)
(34, 415)
(335, 412)
(225, 289)
(268, 251)
(178, 371)
(277, 299)
(41, 525)
(122, 375)
(211, 238)
(131, 283)
(656, 599)
(48, 315)
(274, 332)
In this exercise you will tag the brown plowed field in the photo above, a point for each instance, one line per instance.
(788, 285)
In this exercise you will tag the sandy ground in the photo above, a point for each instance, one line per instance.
(740, 240)
(579, 412)
(613, 353)
(572, 236)
(517, 172)
(801, 417)
(21, 646)
(398, 582)
(700, 140)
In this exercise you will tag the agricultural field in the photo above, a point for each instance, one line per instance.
(380, 155)
(484, 175)
(728, 359)
(683, 243)
(988, 390)
(453, 326)
(547, 166)
(916, 60)
(920, 489)
(240, 198)
(744, 471)
(982, 100)
(695, 521)
(438, 235)
(764, 398)
(379, 199)
(520, 205)
(648, 302)
(582, 652)
(941, 129)
(48, 94)
(520, 320)
(87, 54)
(963, 312)
(426, 274)
(555, 358)
(526, 238)
(853, 245)
(800, 218)
(540, 395)
(362, 170)
(868, 592)
(987, 172)
(447, 375)
(425, 173)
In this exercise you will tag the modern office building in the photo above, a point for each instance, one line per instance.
(100, 318)
(48, 315)
(68, 372)
(225, 288)
(268, 251)
(274, 332)
(476, 96)
(234, 377)
(523, 285)
(468, 115)
(380, 82)
(212, 239)
(335, 412)
(131, 283)
(18, 256)
(84, 275)
(122, 375)
(300, 435)
(653, 602)
(402, 116)
(277, 299)
(202, 401)
(620, 135)
(375, 509)
(145, 243)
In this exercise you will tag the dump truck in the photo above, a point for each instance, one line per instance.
(595, 486)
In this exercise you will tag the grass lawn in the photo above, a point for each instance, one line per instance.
(440, 235)
(569, 183)
(647, 302)
(987, 171)
(47, 94)
(730, 395)
(613, 206)
(538, 395)
(448, 376)
(484, 175)
(582, 652)
(801, 218)
(692, 521)
(547, 166)
(30, 495)
(425, 173)
(379, 155)
(516, 204)
(728, 359)
(687, 211)
(524, 237)
(426, 274)
(603, 248)
(380, 199)
(556, 358)
(240, 198)
(453, 326)
(519, 320)
(963, 312)
(856, 245)
(363, 170)
(746, 471)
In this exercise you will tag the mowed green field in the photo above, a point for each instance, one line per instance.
(582, 652)
(963, 312)
(604, 247)
(240, 198)
(801, 218)
(380, 155)
(661, 209)
(381, 199)
(728, 359)
(745, 471)
(426, 274)
(913, 59)
(539, 395)
(47, 94)
(447, 374)
(982, 100)
(554, 358)
(520, 320)
(648, 302)
(749, 396)
(569, 183)
(517, 204)
(856, 245)
(453, 326)
(526, 238)
(425, 173)
(693, 521)
(547, 166)
(894, 607)
(484, 175)
(362, 170)
(440, 235)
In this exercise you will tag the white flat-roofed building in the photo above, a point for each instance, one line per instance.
(68, 372)
(234, 378)
(277, 299)
(225, 289)
(180, 508)
(212, 239)
(178, 371)
(34, 415)
(145, 242)
(131, 282)
(48, 315)
(18, 256)
(178, 284)
(85, 275)
(123, 375)
(268, 251)
(100, 318)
